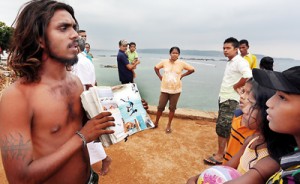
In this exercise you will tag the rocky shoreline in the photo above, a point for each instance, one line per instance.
(192, 114)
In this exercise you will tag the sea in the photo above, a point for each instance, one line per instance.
(200, 89)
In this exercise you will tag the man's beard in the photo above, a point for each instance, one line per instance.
(66, 61)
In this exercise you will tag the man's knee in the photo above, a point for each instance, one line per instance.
(223, 130)
(172, 108)
(160, 108)
(225, 116)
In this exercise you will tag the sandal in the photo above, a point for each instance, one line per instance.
(212, 161)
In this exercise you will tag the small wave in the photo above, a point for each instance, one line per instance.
(201, 63)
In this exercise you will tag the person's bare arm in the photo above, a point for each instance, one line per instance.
(145, 104)
(134, 61)
(193, 180)
(16, 141)
(187, 73)
(132, 66)
(240, 84)
(158, 73)
(235, 160)
(259, 173)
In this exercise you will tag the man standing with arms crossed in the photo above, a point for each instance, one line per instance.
(42, 136)
(236, 73)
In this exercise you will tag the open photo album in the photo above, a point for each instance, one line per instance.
(125, 104)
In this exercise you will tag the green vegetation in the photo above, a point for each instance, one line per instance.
(5, 35)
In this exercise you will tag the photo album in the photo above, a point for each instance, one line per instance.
(125, 104)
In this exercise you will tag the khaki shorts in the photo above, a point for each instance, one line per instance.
(164, 98)
(225, 115)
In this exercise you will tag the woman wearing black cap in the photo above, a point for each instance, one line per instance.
(284, 118)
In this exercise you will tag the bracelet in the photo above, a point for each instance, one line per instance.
(82, 137)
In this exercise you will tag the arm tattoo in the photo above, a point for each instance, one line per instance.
(14, 147)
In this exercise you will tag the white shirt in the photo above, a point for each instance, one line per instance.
(85, 70)
(236, 68)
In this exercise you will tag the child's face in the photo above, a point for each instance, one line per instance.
(250, 113)
(132, 48)
(284, 113)
(244, 95)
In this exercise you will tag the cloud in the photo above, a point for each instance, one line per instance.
(270, 26)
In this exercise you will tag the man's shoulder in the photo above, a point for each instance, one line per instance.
(121, 54)
(17, 90)
(238, 58)
(82, 58)
(252, 55)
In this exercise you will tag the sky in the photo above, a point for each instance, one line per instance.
(272, 27)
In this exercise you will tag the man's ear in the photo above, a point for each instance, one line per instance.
(42, 43)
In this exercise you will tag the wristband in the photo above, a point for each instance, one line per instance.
(82, 137)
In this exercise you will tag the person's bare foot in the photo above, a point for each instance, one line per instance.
(155, 125)
(105, 166)
(168, 129)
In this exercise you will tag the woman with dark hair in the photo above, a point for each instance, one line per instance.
(284, 117)
(171, 85)
(255, 146)
(254, 150)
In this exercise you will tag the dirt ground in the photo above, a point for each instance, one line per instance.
(154, 157)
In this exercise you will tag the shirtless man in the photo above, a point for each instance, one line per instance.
(42, 136)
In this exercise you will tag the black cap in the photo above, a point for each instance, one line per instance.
(286, 81)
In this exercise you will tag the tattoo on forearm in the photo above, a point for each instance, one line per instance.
(14, 147)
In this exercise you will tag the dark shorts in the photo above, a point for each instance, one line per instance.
(93, 178)
(126, 82)
(225, 115)
(164, 98)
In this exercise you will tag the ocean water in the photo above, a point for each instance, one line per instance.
(200, 89)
